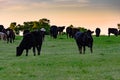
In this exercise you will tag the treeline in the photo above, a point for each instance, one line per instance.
(31, 25)
(36, 25)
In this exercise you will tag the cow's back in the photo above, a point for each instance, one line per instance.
(78, 35)
(27, 41)
(37, 37)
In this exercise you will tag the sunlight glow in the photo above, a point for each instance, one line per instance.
(81, 13)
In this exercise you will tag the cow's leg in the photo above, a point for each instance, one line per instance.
(98, 34)
(7, 40)
(91, 49)
(1, 37)
(67, 35)
(80, 50)
(109, 34)
(39, 49)
(13, 38)
(26, 52)
(84, 49)
(10, 40)
(34, 51)
(79, 47)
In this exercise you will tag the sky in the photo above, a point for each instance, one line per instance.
(89, 14)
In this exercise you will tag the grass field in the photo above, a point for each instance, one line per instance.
(60, 60)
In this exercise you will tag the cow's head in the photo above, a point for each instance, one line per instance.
(19, 51)
(88, 38)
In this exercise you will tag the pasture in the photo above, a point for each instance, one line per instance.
(60, 60)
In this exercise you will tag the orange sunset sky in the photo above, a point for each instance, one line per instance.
(80, 13)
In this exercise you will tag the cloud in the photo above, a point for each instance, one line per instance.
(12, 5)
(58, 4)
(2, 3)
(105, 4)
(47, 2)
(33, 4)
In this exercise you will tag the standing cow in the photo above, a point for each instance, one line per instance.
(30, 40)
(97, 31)
(10, 35)
(74, 31)
(1, 28)
(53, 31)
(84, 39)
(69, 32)
(25, 32)
(113, 31)
(60, 29)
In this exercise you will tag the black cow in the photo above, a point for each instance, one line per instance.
(84, 39)
(97, 31)
(113, 31)
(71, 31)
(53, 31)
(60, 29)
(10, 35)
(1, 28)
(30, 40)
(74, 31)
(119, 32)
(25, 32)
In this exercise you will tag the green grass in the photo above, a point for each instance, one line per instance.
(60, 60)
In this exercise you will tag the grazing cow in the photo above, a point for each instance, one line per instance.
(97, 31)
(30, 40)
(113, 31)
(10, 35)
(84, 39)
(60, 29)
(53, 31)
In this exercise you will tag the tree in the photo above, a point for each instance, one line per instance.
(44, 20)
(45, 23)
(12, 25)
(71, 26)
(31, 25)
(36, 25)
(17, 30)
(82, 29)
(26, 26)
